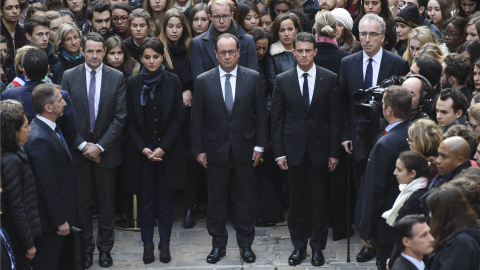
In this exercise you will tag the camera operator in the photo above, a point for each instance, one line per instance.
(431, 69)
(419, 87)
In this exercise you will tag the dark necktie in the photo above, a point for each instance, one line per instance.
(369, 74)
(228, 93)
(306, 97)
(91, 100)
(60, 134)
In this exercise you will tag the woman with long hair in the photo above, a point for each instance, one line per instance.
(456, 229)
(79, 10)
(20, 216)
(425, 136)
(139, 28)
(199, 20)
(281, 58)
(407, 20)
(156, 9)
(470, 50)
(67, 44)
(472, 30)
(155, 118)
(453, 33)
(117, 57)
(416, 39)
(476, 75)
(247, 15)
(439, 11)
(431, 50)
(343, 30)
(474, 119)
(465, 8)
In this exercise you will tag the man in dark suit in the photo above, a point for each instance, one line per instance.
(54, 172)
(229, 123)
(35, 66)
(413, 239)
(363, 70)
(381, 187)
(306, 129)
(98, 95)
(203, 46)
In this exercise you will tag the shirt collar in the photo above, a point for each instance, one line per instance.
(233, 72)
(419, 264)
(389, 127)
(51, 124)
(377, 58)
(311, 72)
(89, 70)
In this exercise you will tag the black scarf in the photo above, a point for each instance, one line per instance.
(233, 29)
(150, 81)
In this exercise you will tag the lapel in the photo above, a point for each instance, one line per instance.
(82, 86)
(209, 44)
(316, 88)
(358, 72)
(136, 93)
(104, 89)
(217, 89)
(239, 87)
(385, 66)
(54, 135)
(296, 89)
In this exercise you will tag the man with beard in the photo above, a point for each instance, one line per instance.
(99, 19)
(455, 71)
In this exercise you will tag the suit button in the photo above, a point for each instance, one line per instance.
(304, 134)
(231, 134)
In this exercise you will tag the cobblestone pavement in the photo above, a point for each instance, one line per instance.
(190, 247)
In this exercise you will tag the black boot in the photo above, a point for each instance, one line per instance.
(190, 214)
(148, 256)
(164, 248)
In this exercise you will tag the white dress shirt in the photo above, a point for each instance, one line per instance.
(49, 123)
(377, 60)
(312, 73)
(233, 83)
(420, 265)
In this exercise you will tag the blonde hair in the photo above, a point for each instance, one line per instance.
(220, 3)
(325, 24)
(422, 34)
(63, 30)
(431, 50)
(186, 37)
(475, 112)
(426, 136)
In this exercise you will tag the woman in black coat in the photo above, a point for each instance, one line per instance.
(19, 199)
(155, 118)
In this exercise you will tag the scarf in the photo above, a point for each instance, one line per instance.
(327, 40)
(150, 81)
(69, 57)
(406, 190)
(233, 29)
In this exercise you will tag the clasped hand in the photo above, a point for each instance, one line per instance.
(92, 152)
(155, 155)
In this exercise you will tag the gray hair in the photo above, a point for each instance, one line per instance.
(63, 30)
(373, 17)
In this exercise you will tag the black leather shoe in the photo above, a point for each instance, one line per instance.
(164, 248)
(366, 254)
(317, 257)
(247, 255)
(148, 249)
(215, 254)
(297, 256)
(105, 259)
(88, 260)
(189, 218)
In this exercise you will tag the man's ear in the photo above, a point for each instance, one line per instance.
(459, 113)
(89, 23)
(406, 242)
(27, 35)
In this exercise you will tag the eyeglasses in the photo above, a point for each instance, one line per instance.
(71, 39)
(409, 141)
(450, 35)
(371, 34)
(230, 52)
(472, 126)
(219, 17)
(116, 19)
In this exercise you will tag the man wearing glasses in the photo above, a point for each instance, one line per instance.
(229, 133)
(221, 16)
(363, 70)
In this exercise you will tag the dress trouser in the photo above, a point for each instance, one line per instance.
(155, 200)
(48, 246)
(91, 180)
(308, 215)
(384, 251)
(246, 207)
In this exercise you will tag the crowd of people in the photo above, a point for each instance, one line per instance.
(104, 99)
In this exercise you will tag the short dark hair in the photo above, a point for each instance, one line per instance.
(260, 33)
(457, 67)
(123, 6)
(423, 3)
(98, 6)
(36, 20)
(35, 64)
(430, 68)
(458, 23)
(304, 37)
(404, 228)
(93, 36)
(12, 120)
(42, 95)
(152, 43)
(400, 100)
(65, 12)
(459, 100)
(227, 35)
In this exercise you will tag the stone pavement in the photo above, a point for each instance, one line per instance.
(190, 247)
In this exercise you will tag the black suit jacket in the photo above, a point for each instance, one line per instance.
(403, 264)
(54, 173)
(214, 130)
(172, 114)
(381, 186)
(111, 117)
(296, 130)
(351, 79)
